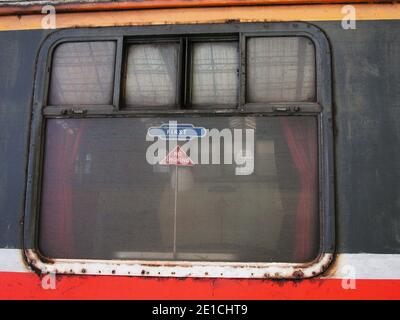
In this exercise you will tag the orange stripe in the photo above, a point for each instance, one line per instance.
(28, 286)
(203, 15)
(158, 4)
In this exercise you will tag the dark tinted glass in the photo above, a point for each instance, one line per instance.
(82, 73)
(102, 199)
(280, 69)
(215, 73)
(151, 78)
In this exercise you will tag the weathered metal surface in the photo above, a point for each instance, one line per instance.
(180, 269)
(200, 15)
(17, 66)
(8, 7)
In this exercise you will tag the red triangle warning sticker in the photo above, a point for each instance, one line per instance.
(177, 157)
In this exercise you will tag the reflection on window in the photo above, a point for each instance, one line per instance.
(101, 199)
(215, 78)
(82, 73)
(280, 69)
(151, 78)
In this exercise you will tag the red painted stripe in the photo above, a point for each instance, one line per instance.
(28, 286)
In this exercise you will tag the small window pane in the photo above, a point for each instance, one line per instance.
(215, 73)
(152, 75)
(83, 73)
(280, 69)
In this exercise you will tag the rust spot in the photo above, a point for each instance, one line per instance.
(158, 265)
(31, 262)
(232, 21)
(113, 271)
(143, 272)
(298, 274)
(332, 267)
(47, 260)
(280, 282)
(83, 270)
(31, 258)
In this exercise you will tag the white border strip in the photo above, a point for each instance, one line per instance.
(11, 260)
(361, 265)
(367, 266)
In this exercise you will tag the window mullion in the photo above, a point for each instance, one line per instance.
(242, 71)
(175, 209)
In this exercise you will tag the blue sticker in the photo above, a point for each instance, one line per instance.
(175, 131)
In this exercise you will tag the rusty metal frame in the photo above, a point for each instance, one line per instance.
(321, 109)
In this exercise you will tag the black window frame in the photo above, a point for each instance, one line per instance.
(256, 105)
(188, 89)
(179, 79)
(321, 109)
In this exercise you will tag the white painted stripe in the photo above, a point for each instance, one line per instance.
(358, 265)
(367, 266)
(11, 260)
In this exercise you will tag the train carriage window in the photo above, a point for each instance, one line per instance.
(102, 199)
(215, 74)
(280, 69)
(205, 149)
(83, 73)
(152, 74)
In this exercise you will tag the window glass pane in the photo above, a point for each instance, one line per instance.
(83, 73)
(151, 78)
(102, 199)
(280, 69)
(215, 68)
